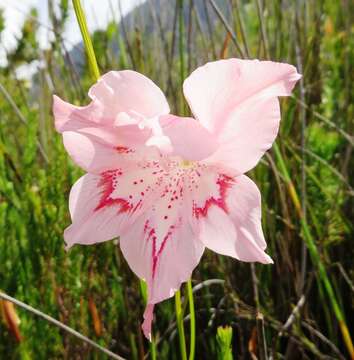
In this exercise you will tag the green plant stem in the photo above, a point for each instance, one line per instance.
(315, 256)
(192, 319)
(91, 58)
(153, 348)
(180, 328)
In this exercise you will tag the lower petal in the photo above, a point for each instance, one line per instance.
(232, 224)
(148, 317)
(163, 259)
(102, 205)
(89, 224)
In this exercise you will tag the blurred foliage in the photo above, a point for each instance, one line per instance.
(36, 176)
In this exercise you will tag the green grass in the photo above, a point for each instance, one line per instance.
(314, 147)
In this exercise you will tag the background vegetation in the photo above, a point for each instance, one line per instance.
(281, 311)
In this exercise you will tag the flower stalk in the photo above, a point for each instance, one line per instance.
(180, 328)
(91, 57)
(192, 319)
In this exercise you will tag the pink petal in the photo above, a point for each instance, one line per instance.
(97, 149)
(90, 155)
(237, 101)
(89, 225)
(93, 145)
(128, 91)
(161, 245)
(244, 206)
(228, 214)
(69, 117)
(118, 97)
(189, 139)
(249, 133)
(163, 259)
(148, 317)
(101, 206)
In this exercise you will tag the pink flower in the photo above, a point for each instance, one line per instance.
(170, 186)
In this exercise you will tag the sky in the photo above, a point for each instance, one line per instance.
(98, 14)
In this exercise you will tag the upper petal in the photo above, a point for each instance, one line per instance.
(129, 92)
(96, 149)
(118, 98)
(247, 135)
(189, 139)
(68, 117)
(237, 101)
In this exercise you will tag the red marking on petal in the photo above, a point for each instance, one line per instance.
(224, 182)
(156, 253)
(146, 226)
(106, 182)
(123, 150)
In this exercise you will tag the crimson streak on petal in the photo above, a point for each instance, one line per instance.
(152, 237)
(107, 185)
(224, 182)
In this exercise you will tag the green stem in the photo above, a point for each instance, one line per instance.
(192, 319)
(153, 348)
(91, 58)
(180, 328)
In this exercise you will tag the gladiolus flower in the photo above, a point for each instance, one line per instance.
(170, 186)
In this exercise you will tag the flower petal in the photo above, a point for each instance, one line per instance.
(248, 135)
(148, 317)
(245, 209)
(90, 155)
(97, 149)
(118, 98)
(229, 217)
(129, 92)
(102, 205)
(161, 246)
(189, 139)
(164, 259)
(89, 225)
(237, 101)
(69, 117)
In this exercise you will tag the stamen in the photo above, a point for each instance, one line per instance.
(185, 164)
